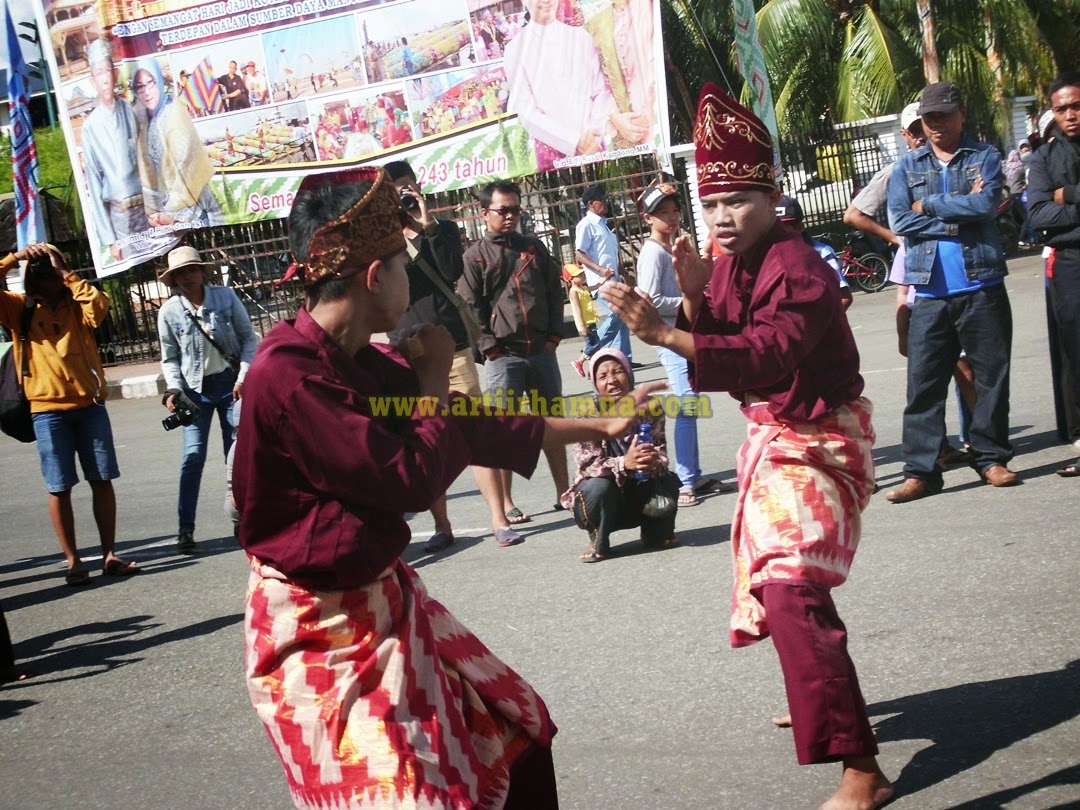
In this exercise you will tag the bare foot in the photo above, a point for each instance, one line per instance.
(862, 787)
(783, 721)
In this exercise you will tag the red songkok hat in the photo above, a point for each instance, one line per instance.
(734, 151)
(368, 231)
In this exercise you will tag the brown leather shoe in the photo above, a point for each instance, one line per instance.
(1000, 476)
(911, 490)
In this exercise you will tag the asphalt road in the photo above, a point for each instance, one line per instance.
(962, 611)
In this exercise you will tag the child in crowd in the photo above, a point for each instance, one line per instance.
(790, 213)
(585, 316)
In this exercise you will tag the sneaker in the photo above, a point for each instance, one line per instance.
(579, 366)
(185, 543)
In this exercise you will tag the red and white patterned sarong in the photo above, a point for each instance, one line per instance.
(377, 697)
(802, 489)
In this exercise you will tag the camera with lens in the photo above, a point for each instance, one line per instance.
(184, 415)
(410, 203)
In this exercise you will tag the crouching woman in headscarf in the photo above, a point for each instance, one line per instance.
(371, 692)
(622, 482)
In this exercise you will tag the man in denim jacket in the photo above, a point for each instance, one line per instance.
(211, 376)
(943, 199)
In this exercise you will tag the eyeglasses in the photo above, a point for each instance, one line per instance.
(143, 85)
(506, 211)
(1062, 108)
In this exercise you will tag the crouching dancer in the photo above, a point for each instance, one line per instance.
(770, 329)
(371, 692)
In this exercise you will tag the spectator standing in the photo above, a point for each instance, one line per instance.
(436, 263)
(943, 200)
(583, 308)
(514, 288)
(207, 345)
(67, 392)
(1054, 199)
(597, 250)
(656, 277)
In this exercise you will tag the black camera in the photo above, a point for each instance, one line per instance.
(185, 413)
(410, 203)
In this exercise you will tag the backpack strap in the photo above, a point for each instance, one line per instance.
(24, 335)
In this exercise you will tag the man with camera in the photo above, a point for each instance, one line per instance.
(207, 345)
(435, 265)
(65, 384)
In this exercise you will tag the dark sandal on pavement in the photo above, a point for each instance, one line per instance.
(709, 485)
(1071, 471)
(440, 541)
(119, 568)
(77, 578)
(516, 516)
(504, 538)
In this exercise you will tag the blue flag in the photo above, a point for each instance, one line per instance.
(29, 224)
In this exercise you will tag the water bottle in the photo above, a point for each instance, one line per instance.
(644, 436)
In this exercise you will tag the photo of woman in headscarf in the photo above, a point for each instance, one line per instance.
(173, 163)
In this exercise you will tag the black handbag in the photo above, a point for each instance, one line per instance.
(15, 417)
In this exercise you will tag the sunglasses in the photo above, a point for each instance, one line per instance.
(506, 211)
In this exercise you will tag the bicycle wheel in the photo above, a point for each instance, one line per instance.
(874, 273)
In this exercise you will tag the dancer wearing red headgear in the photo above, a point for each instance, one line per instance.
(372, 693)
(764, 322)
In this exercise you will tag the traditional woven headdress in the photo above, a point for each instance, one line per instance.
(368, 231)
(734, 151)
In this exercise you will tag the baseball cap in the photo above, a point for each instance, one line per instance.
(654, 195)
(909, 115)
(571, 270)
(593, 193)
(788, 209)
(941, 97)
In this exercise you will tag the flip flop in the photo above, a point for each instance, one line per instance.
(119, 568)
(709, 485)
(440, 541)
(77, 578)
(516, 516)
(1071, 471)
(591, 556)
(687, 498)
(504, 538)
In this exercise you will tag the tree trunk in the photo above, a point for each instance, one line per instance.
(931, 63)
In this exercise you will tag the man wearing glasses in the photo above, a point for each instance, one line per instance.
(516, 292)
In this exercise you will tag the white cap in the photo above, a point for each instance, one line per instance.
(1045, 120)
(909, 115)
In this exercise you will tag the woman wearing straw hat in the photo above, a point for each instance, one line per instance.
(207, 344)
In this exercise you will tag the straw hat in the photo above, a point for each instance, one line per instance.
(183, 256)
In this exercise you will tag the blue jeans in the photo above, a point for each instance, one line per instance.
(592, 341)
(61, 435)
(611, 330)
(684, 434)
(216, 396)
(981, 322)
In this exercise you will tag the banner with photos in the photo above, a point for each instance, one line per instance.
(182, 114)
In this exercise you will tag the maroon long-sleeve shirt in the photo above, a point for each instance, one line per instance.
(776, 328)
(321, 483)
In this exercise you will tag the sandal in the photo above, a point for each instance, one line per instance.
(440, 541)
(78, 577)
(119, 568)
(1071, 471)
(504, 538)
(516, 516)
(707, 486)
(688, 498)
(590, 556)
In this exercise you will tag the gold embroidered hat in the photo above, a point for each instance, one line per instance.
(368, 231)
(734, 150)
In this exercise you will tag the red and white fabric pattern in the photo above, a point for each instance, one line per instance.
(802, 489)
(377, 697)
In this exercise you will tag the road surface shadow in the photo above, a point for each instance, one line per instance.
(969, 723)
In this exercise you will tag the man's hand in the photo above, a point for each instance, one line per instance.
(422, 214)
(636, 310)
(1059, 196)
(551, 346)
(170, 403)
(917, 206)
(237, 391)
(691, 271)
(588, 143)
(430, 351)
(36, 250)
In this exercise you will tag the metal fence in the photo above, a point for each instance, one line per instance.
(823, 173)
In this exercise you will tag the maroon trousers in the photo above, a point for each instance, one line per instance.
(828, 713)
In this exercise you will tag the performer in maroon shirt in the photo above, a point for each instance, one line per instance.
(372, 693)
(765, 323)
